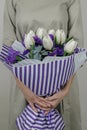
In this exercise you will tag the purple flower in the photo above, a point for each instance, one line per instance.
(26, 52)
(38, 41)
(76, 50)
(59, 51)
(23, 41)
(52, 37)
(11, 58)
(52, 53)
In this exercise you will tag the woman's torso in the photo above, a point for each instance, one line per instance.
(31, 14)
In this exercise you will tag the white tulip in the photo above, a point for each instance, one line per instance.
(47, 42)
(52, 31)
(70, 46)
(41, 32)
(60, 36)
(28, 41)
(31, 33)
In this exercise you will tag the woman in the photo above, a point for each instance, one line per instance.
(23, 15)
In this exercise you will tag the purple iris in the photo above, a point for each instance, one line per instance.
(76, 50)
(52, 37)
(11, 58)
(59, 51)
(52, 53)
(23, 41)
(26, 52)
(38, 41)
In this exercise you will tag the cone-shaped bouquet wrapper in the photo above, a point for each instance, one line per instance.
(44, 78)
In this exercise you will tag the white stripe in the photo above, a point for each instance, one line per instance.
(23, 74)
(18, 72)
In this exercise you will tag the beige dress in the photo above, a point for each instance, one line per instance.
(23, 15)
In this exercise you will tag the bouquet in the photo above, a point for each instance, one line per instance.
(44, 62)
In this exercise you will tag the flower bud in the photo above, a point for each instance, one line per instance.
(70, 46)
(47, 42)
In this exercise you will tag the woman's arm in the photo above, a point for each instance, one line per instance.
(9, 23)
(9, 36)
(74, 30)
(59, 96)
(32, 98)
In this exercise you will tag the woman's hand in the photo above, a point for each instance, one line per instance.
(32, 98)
(59, 96)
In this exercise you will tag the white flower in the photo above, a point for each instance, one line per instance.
(70, 46)
(41, 32)
(60, 36)
(52, 31)
(31, 33)
(47, 42)
(28, 41)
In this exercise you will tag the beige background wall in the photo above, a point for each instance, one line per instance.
(5, 77)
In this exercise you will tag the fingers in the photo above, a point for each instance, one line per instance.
(51, 98)
(42, 103)
(33, 107)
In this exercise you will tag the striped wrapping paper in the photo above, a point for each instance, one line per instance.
(44, 78)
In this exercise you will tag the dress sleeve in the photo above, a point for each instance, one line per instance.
(9, 23)
(75, 21)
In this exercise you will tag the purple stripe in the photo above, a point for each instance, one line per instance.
(21, 73)
(51, 75)
(67, 74)
(5, 46)
(54, 76)
(59, 121)
(63, 69)
(70, 67)
(86, 53)
(73, 66)
(59, 67)
(20, 125)
(23, 124)
(4, 55)
(64, 75)
(4, 50)
(34, 73)
(37, 86)
(25, 75)
(66, 71)
(2, 58)
(29, 77)
(30, 110)
(43, 67)
(16, 72)
(30, 124)
(39, 121)
(47, 72)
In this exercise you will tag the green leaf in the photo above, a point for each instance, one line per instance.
(45, 53)
(38, 48)
(68, 39)
(18, 58)
(37, 56)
